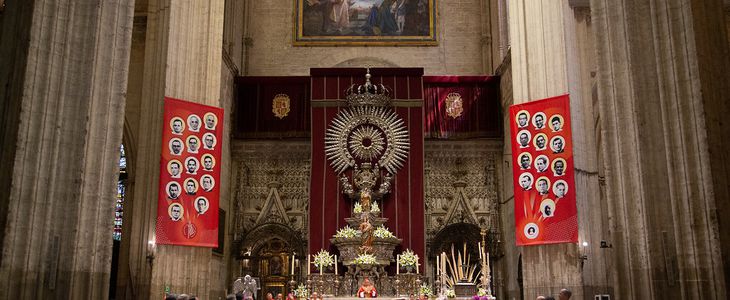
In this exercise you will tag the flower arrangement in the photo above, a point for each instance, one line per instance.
(426, 290)
(365, 259)
(450, 293)
(301, 292)
(383, 232)
(323, 259)
(374, 208)
(408, 259)
(347, 232)
(482, 292)
(358, 208)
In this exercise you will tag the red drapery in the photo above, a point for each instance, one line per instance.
(405, 205)
(481, 107)
(254, 116)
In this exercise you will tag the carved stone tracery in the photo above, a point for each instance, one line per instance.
(460, 184)
(271, 186)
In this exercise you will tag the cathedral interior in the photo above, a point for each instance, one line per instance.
(366, 129)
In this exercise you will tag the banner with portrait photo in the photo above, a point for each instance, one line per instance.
(189, 190)
(543, 172)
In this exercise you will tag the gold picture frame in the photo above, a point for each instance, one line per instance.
(365, 23)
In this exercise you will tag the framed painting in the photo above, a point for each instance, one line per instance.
(365, 23)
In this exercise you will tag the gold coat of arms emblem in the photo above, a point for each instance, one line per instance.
(454, 105)
(280, 106)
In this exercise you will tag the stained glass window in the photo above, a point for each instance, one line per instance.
(121, 192)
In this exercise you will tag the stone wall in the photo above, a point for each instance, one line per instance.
(463, 33)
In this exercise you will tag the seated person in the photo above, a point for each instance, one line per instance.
(367, 290)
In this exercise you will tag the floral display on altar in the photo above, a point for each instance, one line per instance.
(347, 232)
(323, 259)
(408, 259)
(426, 290)
(365, 259)
(450, 293)
(301, 292)
(383, 232)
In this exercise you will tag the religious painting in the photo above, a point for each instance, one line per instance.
(365, 22)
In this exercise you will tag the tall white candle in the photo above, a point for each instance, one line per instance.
(438, 265)
(335, 265)
(309, 263)
(416, 267)
(480, 249)
(397, 264)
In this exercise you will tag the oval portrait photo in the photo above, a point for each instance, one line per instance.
(177, 125)
(211, 120)
(194, 123)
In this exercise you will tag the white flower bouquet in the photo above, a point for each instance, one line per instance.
(347, 232)
(383, 232)
(365, 259)
(450, 293)
(358, 208)
(408, 259)
(323, 259)
(426, 290)
(301, 292)
(374, 208)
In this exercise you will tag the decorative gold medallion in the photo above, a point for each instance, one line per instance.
(454, 106)
(280, 106)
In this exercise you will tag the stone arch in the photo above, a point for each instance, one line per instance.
(456, 234)
(366, 61)
(259, 235)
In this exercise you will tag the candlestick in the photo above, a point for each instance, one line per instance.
(335, 265)
(479, 244)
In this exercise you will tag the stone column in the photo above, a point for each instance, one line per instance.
(64, 74)
(548, 49)
(663, 94)
(182, 60)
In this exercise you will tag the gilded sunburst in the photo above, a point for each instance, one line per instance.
(367, 143)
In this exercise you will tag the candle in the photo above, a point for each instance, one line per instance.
(480, 249)
(335, 265)
(438, 266)
(292, 263)
(397, 265)
(416, 267)
(309, 271)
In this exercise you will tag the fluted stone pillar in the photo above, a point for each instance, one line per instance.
(63, 71)
(663, 94)
(550, 49)
(182, 60)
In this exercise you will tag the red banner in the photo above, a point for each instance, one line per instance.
(187, 205)
(543, 173)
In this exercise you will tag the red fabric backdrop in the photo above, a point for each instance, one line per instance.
(254, 117)
(405, 205)
(533, 224)
(480, 97)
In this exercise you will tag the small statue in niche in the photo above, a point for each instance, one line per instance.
(367, 230)
(275, 265)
